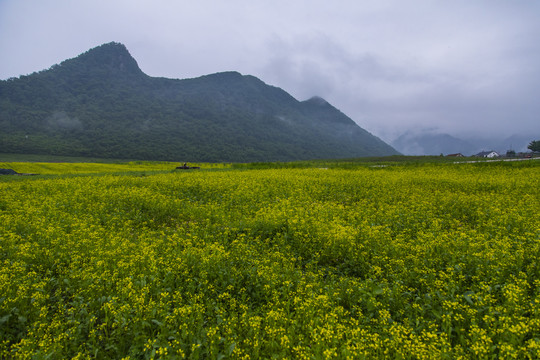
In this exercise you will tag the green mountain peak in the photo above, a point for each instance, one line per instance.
(111, 59)
(101, 104)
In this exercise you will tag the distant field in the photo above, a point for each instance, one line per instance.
(69, 159)
(73, 168)
(415, 259)
(62, 165)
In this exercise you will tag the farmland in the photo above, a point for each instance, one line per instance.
(408, 261)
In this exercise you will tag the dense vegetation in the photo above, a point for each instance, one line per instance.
(100, 104)
(409, 261)
(534, 146)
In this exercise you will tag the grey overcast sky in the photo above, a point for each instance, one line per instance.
(454, 66)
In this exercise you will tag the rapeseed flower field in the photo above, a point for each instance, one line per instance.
(413, 261)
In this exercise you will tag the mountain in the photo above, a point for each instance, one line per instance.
(430, 143)
(101, 104)
(426, 143)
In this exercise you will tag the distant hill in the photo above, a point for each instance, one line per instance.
(432, 144)
(429, 143)
(101, 104)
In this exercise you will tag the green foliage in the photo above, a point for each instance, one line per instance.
(410, 261)
(534, 146)
(100, 104)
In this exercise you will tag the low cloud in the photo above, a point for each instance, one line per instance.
(392, 96)
(60, 120)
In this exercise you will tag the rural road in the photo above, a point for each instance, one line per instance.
(475, 161)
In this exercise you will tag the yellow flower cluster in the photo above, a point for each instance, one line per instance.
(432, 261)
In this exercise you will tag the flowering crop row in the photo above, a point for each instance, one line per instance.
(97, 168)
(406, 262)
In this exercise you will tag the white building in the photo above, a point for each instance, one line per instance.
(488, 154)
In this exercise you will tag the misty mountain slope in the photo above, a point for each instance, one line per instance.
(427, 143)
(101, 104)
(432, 144)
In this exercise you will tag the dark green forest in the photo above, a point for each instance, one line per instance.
(100, 104)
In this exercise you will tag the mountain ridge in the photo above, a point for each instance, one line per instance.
(102, 104)
(435, 143)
